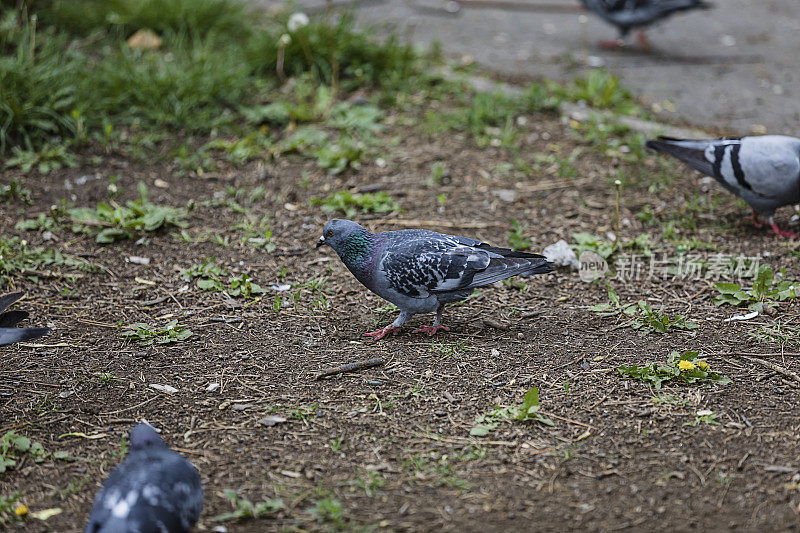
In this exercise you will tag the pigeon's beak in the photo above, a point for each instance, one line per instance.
(321, 241)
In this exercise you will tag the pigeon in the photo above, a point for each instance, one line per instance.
(420, 271)
(9, 319)
(763, 170)
(154, 490)
(628, 14)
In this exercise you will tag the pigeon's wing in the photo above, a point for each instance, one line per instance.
(9, 319)
(9, 335)
(7, 299)
(757, 166)
(446, 264)
(152, 490)
(421, 268)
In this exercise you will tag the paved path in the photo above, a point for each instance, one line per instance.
(735, 68)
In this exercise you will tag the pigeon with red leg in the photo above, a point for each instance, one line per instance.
(629, 14)
(154, 490)
(764, 171)
(421, 271)
(9, 319)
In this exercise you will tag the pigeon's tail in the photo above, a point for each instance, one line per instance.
(511, 264)
(9, 335)
(673, 6)
(690, 152)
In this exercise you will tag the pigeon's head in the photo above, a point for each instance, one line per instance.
(144, 436)
(339, 234)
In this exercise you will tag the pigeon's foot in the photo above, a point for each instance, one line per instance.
(783, 233)
(615, 44)
(381, 333)
(756, 220)
(641, 38)
(431, 330)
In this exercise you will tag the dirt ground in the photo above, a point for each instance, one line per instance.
(391, 445)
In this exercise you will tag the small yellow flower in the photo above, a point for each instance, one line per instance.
(703, 365)
(686, 365)
(21, 510)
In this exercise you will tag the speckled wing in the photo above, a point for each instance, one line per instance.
(427, 266)
(444, 263)
(152, 490)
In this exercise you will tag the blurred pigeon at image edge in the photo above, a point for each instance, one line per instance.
(629, 14)
(762, 170)
(9, 319)
(153, 490)
(420, 271)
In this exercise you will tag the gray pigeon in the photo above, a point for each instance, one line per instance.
(629, 14)
(764, 171)
(9, 319)
(420, 271)
(154, 490)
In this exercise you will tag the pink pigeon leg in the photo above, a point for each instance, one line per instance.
(641, 37)
(431, 330)
(782, 233)
(615, 44)
(381, 333)
(756, 220)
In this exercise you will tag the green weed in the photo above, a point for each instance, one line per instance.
(488, 422)
(686, 368)
(642, 316)
(762, 294)
(15, 190)
(18, 260)
(516, 236)
(244, 509)
(113, 222)
(349, 204)
(146, 335)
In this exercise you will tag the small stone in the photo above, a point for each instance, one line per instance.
(212, 387)
(66, 393)
(272, 420)
(136, 260)
(242, 406)
(169, 389)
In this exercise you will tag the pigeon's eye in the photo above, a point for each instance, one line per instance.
(329, 234)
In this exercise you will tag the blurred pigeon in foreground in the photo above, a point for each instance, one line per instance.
(629, 14)
(764, 171)
(420, 271)
(153, 490)
(9, 319)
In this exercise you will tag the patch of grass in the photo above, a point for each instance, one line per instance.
(14, 446)
(329, 511)
(113, 222)
(704, 416)
(349, 204)
(15, 190)
(47, 158)
(18, 260)
(41, 223)
(642, 316)
(454, 349)
(599, 89)
(488, 422)
(244, 509)
(371, 483)
(762, 294)
(490, 117)
(587, 241)
(146, 335)
(516, 236)
(209, 277)
(778, 333)
(685, 368)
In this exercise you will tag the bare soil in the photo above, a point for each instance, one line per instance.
(615, 458)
